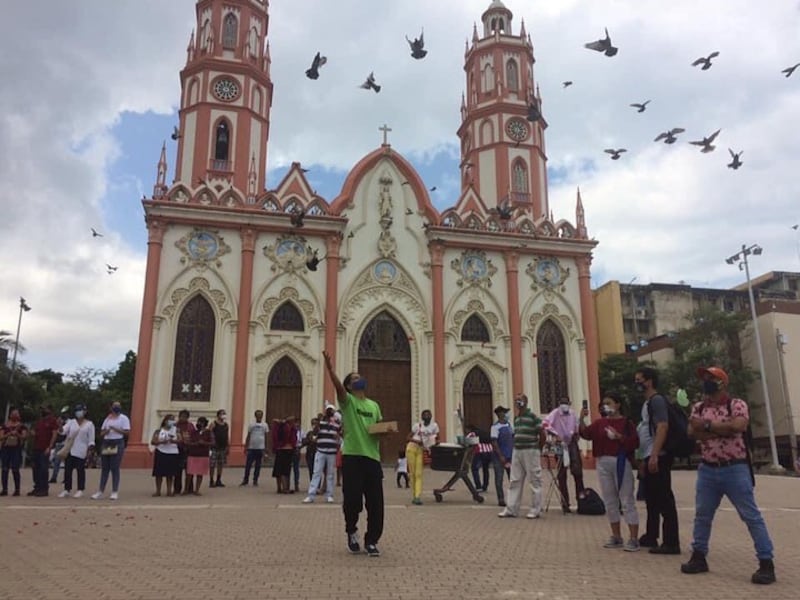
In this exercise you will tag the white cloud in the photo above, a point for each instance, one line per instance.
(662, 213)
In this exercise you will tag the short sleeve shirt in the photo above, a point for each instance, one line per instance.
(720, 449)
(358, 415)
(258, 435)
(658, 406)
(426, 434)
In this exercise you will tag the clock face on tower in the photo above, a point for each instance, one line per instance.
(517, 129)
(226, 89)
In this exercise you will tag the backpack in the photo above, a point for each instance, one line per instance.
(678, 442)
(591, 503)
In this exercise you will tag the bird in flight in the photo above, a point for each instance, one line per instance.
(615, 154)
(111, 268)
(707, 142)
(504, 210)
(370, 84)
(669, 136)
(418, 46)
(641, 106)
(603, 45)
(95, 233)
(736, 162)
(313, 262)
(705, 61)
(409, 211)
(297, 216)
(433, 189)
(789, 70)
(566, 84)
(534, 114)
(351, 235)
(176, 133)
(313, 72)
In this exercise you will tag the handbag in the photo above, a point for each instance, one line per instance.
(110, 450)
(64, 452)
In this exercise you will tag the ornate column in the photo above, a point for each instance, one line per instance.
(437, 279)
(248, 237)
(589, 323)
(333, 243)
(514, 325)
(137, 454)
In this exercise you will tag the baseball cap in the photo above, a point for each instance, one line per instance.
(500, 409)
(714, 372)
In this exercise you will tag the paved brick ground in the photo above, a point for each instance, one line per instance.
(248, 543)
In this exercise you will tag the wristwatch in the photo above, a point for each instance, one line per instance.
(707, 426)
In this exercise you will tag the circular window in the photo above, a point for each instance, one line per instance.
(226, 89)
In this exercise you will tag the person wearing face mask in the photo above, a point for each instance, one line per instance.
(362, 474)
(166, 455)
(614, 440)
(113, 431)
(219, 452)
(502, 436)
(12, 437)
(656, 467)
(79, 437)
(563, 423)
(327, 434)
(526, 462)
(45, 432)
(424, 434)
(719, 422)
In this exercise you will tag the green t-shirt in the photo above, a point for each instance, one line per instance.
(357, 416)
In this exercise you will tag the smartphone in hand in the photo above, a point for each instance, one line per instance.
(585, 405)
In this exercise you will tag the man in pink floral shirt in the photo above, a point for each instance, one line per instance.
(719, 422)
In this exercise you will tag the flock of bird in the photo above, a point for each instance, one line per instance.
(110, 269)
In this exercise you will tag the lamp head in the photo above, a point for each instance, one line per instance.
(757, 250)
(730, 260)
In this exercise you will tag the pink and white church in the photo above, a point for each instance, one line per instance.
(437, 309)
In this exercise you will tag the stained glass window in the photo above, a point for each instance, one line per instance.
(520, 177)
(194, 352)
(552, 359)
(476, 382)
(384, 339)
(474, 330)
(287, 318)
(512, 77)
(285, 374)
(229, 27)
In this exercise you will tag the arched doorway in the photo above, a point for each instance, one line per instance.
(477, 399)
(551, 357)
(384, 359)
(284, 392)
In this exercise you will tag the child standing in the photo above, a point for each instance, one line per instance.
(402, 468)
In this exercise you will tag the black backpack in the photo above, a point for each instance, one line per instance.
(591, 503)
(678, 442)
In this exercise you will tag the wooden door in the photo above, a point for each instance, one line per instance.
(552, 365)
(477, 395)
(384, 359)
(284, 392)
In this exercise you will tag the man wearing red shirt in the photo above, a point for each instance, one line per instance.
(45, 431)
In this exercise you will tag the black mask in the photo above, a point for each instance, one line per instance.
(710, 387)
(639, 387)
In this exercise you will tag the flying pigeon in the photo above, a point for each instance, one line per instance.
(706, 142)
(603, 45)
(351, 235)
(669, 136)
(95, 234)
(296, 217)
(615, 154)
(789, 70)
(313, 72)
(504, 211)
(433, 189)
(313, 262)
(176, 133)
(110, 268)
(566, 84)
(705, 61)
(736, 162)
(370, 84)
(409, 211)
(641, 106)
(534, 114)
(417, 46)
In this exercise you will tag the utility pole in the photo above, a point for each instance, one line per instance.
(780, 342)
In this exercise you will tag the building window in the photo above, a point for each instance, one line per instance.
(384, 339)
(285, 374)
(512, 75)
(222, 141)
(194, 352)
(487, 79)
(229, 27)
(551, 357)
(728, 305)
(287, 318)
(474, 330)
(519, 179)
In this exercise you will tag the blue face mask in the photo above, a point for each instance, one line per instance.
(116, 410)
(710, 387)
(359, 385)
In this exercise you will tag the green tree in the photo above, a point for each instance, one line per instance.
(616, 373)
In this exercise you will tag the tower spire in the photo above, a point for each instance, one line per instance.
(160, 188)
(580, 218)
(252, 178)
(474, 33)
(522, 32)
(190, 49)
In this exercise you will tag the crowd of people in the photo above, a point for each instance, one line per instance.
(341, 448)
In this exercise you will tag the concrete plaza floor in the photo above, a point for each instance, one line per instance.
(246, 543)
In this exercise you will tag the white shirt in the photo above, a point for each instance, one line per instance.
(171, 437)
(119, 421)
(425, 433)
(83, 437)
(402, 465)
(258, 435)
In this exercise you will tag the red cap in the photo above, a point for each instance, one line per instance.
(714, 372)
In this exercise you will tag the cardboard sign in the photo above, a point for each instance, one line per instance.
(383, 427)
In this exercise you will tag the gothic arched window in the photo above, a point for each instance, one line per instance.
(474, 330)
(222, 141)
(194, 352)
(519, 177)
(512, 75)
(229, 30)
(552, 365)
(287, 318)
(487, 79)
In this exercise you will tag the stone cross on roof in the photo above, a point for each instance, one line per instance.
(385, 129)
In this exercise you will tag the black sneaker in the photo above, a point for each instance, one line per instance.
(697, 564)
(212, 484)
(243, 483)
(646, 542)
(664, 549)
(220, 484)
(765, 574)
(352, 543)
(372, 550)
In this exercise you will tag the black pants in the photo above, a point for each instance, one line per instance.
(177, 486)
(403, 476)
(311, 454)
(576, 468)
(40, 461)
(74, 463)
(362, 480)
(481, 462)
(660, 503)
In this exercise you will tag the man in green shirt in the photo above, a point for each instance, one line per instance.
(362, 474)
(526, 461)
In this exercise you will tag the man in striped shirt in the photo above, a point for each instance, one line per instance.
(327, 433)
(526, 461)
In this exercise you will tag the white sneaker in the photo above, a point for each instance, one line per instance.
(534, 514)
(114, 495)
(97, 495)
(64, 494)
(308, 500)
(506, 514)
(78, 494)
(330, 500)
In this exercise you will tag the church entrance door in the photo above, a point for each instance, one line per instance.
(477, 394)
(284, 393)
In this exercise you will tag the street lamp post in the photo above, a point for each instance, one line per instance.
(741, 257)
(633, 311)
(23, 307)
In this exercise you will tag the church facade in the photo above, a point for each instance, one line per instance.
(245, 287)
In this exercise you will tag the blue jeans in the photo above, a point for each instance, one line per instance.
(110, 464)
(735, 483)
(254, 458)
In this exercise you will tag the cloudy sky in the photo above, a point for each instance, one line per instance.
(91, 87)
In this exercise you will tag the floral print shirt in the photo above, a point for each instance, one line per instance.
(720, 449)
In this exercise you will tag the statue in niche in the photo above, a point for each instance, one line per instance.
(385, 203)
(180, 196)
(387, 245)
